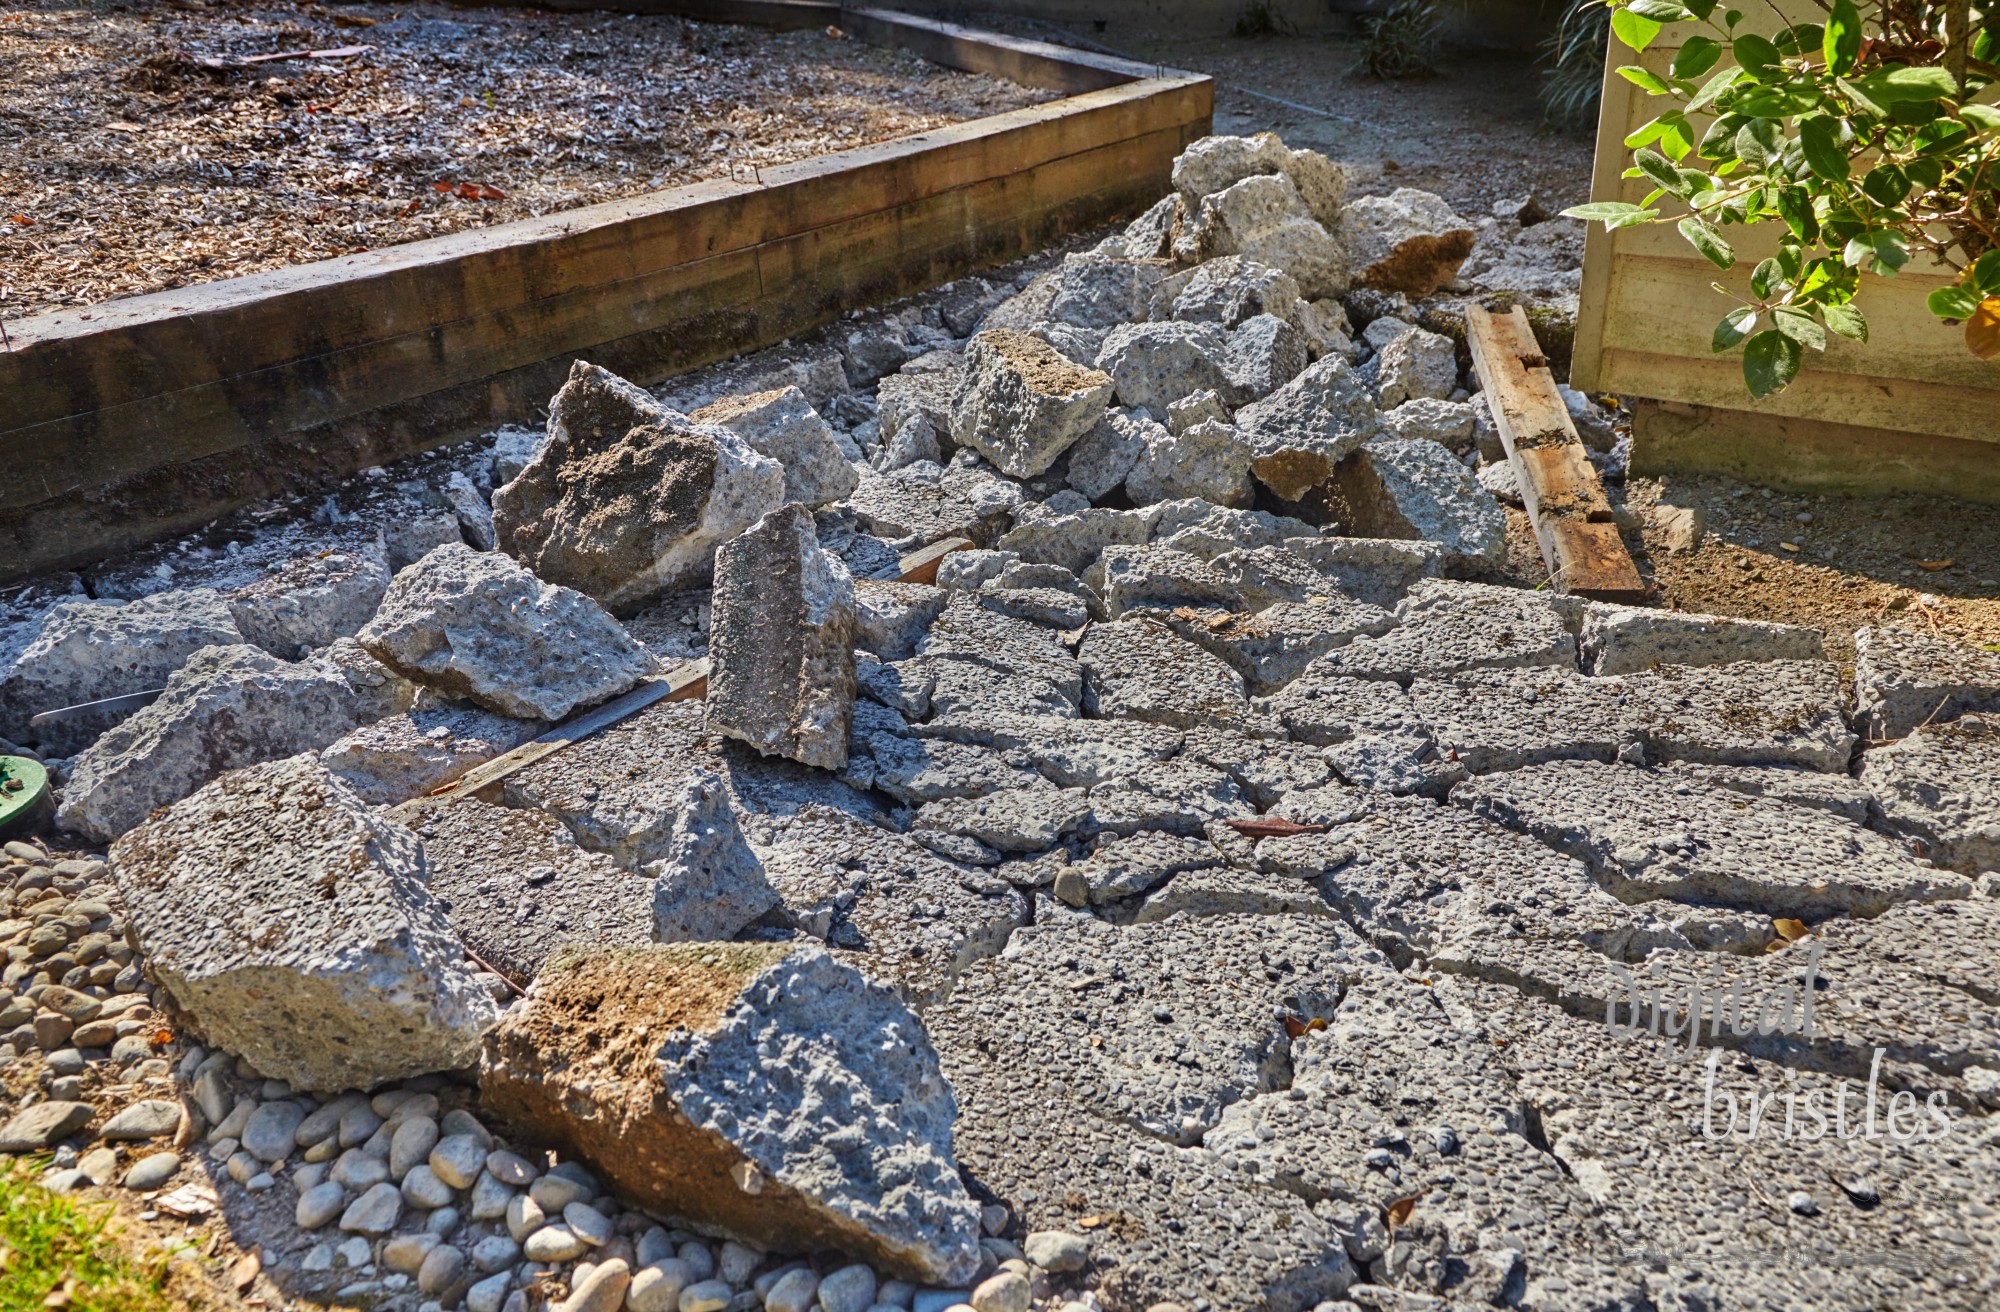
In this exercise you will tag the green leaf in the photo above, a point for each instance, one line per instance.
(1820, 136)
(1795, 207)
(1712, 88)
(1759, 142)
(1664, 11)
(1613, 214)
(1953, 302)
(1886, 184)
(1777, 101)
(1800, 326)
(1763, 276)
(1845, 320)
(1734, 327)
(1770, 362)
(1889, 86)
(1984, 275)
(1645, 79)
(1888, 250)
(1655, 166)
(1758, 57)
(1842, 42)
(1647, 133)
(1981, 116)
(1708, 241)
(1634, 30)
(1697, 56)
(1701, 9)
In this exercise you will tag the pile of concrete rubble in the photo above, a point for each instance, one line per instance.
(1206, 894)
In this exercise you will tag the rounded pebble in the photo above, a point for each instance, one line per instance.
(152, 1171)
(319, 1205)
(794, 1292)
(706, 1296)
(657, 1287)
(850, 1289)
(1006, 1292)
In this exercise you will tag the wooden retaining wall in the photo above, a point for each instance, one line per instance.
(1909, 410)
(141, 418)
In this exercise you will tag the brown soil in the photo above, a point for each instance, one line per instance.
(127, 166)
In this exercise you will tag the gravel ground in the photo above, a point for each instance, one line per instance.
(128, 166)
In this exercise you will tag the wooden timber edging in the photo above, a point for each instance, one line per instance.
(1910, 410)
(1565, 501)
(140, 418)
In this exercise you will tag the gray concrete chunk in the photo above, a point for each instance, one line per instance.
(1904, 679)
(1450, 626)
(409, 755)
(710, 885)
(310, 602)
(1650, 835)
(1941, 786)
(1414, 488)
(1140, 669)
(1626, 639)
(783, 425)
(1022, 404)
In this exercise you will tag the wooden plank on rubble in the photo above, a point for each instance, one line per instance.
(1559, 486)
(684, 683)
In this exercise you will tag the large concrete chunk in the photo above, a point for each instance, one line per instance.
(1413, 488)
(1262, 355)
(1375, 570)
(419, 751)
(1415, 366)
(475, 625)
(85, 651)
(628, 500)
(330, 966)
(1140, 669)
(310, 602)
(769, 1092)
(1232, 290)
(1300, 432)
(1102, 458)
(784, 426)
(1022, 404)
(710, 885)
(1625, 639)
(1075, 541)
(1276, 644)
(1941, 786)
(1156, 364)
(228, 707)
(1904, 679)
(1647, 834)
(1449, 626)
(1266, 219)
(1094, 292)
(1408, 241)
(1747, 713)
(515, 885)
(1504, 719)
(781, 652)
(1208, 461)
(922, 503)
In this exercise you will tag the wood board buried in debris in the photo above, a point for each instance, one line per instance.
(684, 683)
(1573, 522)
(157, 413)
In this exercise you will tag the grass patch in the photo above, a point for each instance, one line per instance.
(59, 1253)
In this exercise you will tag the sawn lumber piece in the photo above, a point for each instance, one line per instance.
(682, 683)
(1559, 486)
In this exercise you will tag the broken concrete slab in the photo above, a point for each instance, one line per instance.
(378, 691)
(1748, 713)
(781, 650)
(1649, 835)
(777, 1096)
(1029, 818)
(1940, 785)
(1121, 867)
(1301, 431)
(476, 625)
(1375, 570)
(1266, 219)
(1204, 529)
(967, 631)
(1101, 459)
(1504, 719)
(627, 501)
(1153, 365)
(919, 770)
(333, 967)
(1450, 424)
(1095, 292)
(227, 708)
(1408, 241)
(85, 651)
(1075, 541)
(1836, 794)
(921, 504)
(1903, 679)
(1448, 626)
(1415, 366)
(1022, 404)
(515, 885)
(1163, 577)
(1413, 488)
(419, 751)
(1209, 462)
(1276, 644)
(784, 426)
(1232, 290)
(890, 619)
(310, 602)
(1140, 669)
(710, 885)
(1263, 353)
(1625, 639)
(1054, 1126)
(897, 912)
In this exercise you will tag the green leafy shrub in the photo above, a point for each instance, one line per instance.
(1402, 41)
(1574, 53)
(1858, 135)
